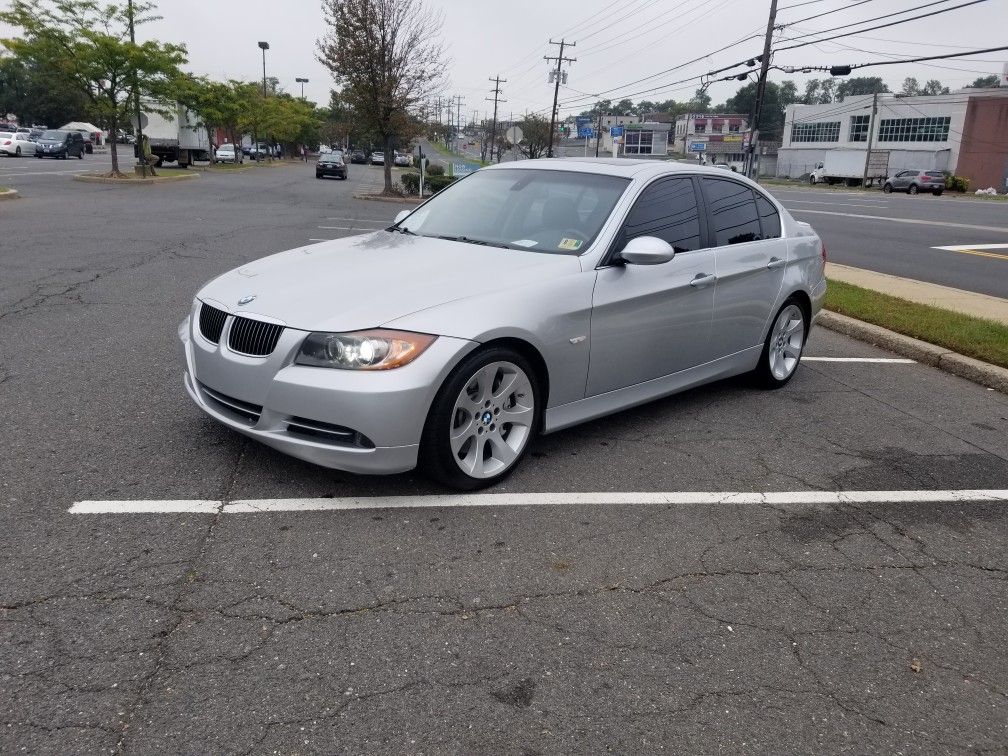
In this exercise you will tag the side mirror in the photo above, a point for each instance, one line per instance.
(647, 250)
(401, 215)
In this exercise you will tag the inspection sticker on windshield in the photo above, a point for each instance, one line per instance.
(566, 243)
(525, 243)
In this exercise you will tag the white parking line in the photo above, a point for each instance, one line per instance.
(876, 205)
(997, 229)
(361, 220)
(678, 498)
(882, 360)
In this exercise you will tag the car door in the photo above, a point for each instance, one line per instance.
(26, 145)
(902, 180)
(750, 262)
(649, 321)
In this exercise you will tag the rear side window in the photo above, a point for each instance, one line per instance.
(936, 174)
(666, 209)
(769, 217)
(732, 212)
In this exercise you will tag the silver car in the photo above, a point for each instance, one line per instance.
(523, 299)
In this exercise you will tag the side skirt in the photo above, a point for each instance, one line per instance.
(572, 413)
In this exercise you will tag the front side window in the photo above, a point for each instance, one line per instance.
(929, 129)
(666, 209)
(732, 211)
(553, 211)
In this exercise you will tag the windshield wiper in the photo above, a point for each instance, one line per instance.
(481, 242)
(402, 230)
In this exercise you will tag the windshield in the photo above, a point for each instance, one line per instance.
(226, 147)
(557, 212)
(53, 134)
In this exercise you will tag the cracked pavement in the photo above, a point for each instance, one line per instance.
(740, 628)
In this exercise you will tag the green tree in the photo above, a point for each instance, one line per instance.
(788, 93)
(535, 136)
(772, 118)
(986, 82)
(934, 87)
(89, 45)
(861, 85)
(911, 87)
(700, 100)
(387, 57)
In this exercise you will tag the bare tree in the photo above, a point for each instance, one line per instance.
(386, 56)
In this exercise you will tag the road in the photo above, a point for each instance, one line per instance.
(625, 623)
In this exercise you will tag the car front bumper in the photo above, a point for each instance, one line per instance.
(270, 398)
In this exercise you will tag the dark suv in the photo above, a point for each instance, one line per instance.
(59, 143)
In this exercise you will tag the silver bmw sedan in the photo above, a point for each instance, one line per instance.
(523, 299)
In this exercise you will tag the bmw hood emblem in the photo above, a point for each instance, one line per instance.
(246, 299)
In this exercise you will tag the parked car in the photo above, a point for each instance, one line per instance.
(258, 151)
(358, 156)
(16, 144)
(565, 291)
(35, 133)
(403, 159)
(377, 158)
(915, 181)
(331, 164)
(226, 153)
(59, 143)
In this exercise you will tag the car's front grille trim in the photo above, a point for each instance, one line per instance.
(255, 338)
(211, 322)
(246, 410)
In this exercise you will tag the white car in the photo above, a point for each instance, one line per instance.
(377, 158)
(16, 144)
(228, 153)
(403, 159)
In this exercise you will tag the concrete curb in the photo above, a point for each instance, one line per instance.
(8, 194)
(969, 368)
(143, 181)
(397, 200)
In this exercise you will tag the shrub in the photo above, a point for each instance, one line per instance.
(957, 183)
(432, 183)
(411, 182)
(435, 169)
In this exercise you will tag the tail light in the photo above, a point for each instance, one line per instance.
(823, 253)
(7, 141)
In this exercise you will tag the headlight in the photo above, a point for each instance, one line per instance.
(363, 350)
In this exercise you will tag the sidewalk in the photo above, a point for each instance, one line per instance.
(957, 300)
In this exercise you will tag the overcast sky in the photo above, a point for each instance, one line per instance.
(618, 42)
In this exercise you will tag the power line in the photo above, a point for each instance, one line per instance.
(855, 66)
(880, 26)
(826, 13)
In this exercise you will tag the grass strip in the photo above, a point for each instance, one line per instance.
(983, 339)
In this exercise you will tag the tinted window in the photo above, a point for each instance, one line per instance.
(732, 212)
(54, 134)
(768, 217)
(666, 209)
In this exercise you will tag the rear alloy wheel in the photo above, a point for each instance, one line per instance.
(482, 420)
(783, 348)
(887, 188)
(913, 189)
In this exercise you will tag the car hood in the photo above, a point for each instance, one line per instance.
(366, 281)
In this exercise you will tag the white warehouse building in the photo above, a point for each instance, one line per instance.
(964, 133)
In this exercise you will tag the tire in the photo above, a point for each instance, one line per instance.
(790, 325)
(887, 188)
(468, 392)
(318, 175)
(913, 189)
(63, 156)
(811, 180)
(938, 192)
(80, 155)
(17, 152)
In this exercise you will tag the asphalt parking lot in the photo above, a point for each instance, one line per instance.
(642, 618)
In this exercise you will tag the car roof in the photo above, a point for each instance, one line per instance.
(630, 168)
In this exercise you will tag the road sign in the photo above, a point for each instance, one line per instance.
(515, 135)
(584, 127)
(615, 131)
(463, 169)
(698, 146)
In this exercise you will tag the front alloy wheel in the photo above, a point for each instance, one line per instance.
(913, 189)
(482, 420)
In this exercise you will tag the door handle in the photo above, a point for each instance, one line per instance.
(775, 262)
(702, 279)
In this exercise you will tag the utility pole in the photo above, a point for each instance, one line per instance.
(598, 131)
(871, 133)
(497, 80)
(458, 122)
(141, 158)
(556, 85)
(761, 89)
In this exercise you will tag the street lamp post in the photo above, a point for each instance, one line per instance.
(302, 82)
(264, 46)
